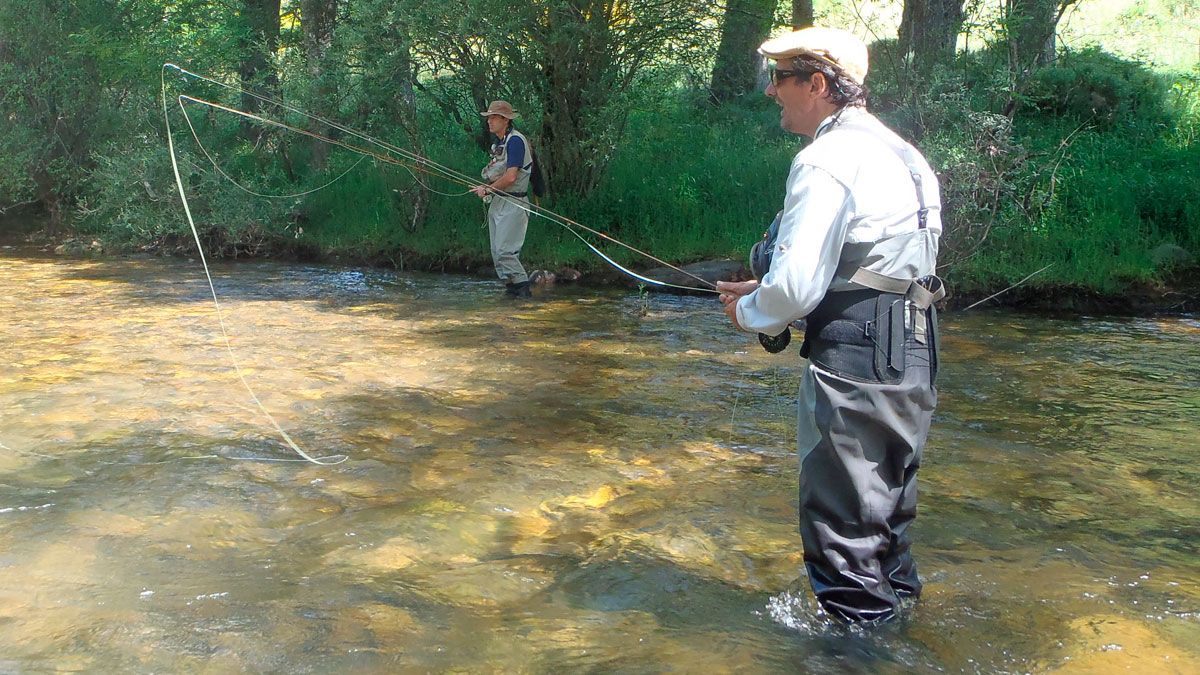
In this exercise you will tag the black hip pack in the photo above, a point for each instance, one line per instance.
(864, 335)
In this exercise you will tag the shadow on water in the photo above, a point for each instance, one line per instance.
(576, 483)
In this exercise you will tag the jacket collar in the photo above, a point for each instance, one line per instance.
(844, 114)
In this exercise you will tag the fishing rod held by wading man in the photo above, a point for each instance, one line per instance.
(854, 254)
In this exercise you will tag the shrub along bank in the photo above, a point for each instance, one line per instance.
(1096, 173)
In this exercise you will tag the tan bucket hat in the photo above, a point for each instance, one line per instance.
(501, 108)
(837, 47)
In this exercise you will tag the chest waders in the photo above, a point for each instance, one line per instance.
(866, 403)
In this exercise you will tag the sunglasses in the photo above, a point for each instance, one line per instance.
(778, 76)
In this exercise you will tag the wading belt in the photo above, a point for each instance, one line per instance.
(858, 335)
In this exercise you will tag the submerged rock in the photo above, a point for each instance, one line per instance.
(1112, 644)
(711, 271)
(79, 247)
(563, 275)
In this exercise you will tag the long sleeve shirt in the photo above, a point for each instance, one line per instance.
(848, 193)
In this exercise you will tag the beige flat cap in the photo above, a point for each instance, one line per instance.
(838, 47)
(501, 108)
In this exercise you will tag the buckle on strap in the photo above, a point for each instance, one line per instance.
(922, 292)
(925, 291)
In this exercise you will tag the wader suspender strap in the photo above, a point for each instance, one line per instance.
(904, 152)
(917, 294)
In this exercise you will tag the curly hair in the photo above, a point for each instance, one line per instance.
(843, 91)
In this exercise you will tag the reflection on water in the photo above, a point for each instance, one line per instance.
(569, 483)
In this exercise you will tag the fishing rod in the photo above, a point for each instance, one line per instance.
(468, 182)
(1027, 278)
(410, 160)
(407, 160)
(187, 209)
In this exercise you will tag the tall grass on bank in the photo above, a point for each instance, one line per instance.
(1123, 210)
(1109, 184)
(1099, 174)
(689, 183)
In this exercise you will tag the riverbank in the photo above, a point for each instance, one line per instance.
(1179, 294)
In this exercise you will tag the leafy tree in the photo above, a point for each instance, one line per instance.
(375, 47)
(570, 65)
(68, 75)
(743, 28)
(259, 38)
(318, 19)
(1028, 27)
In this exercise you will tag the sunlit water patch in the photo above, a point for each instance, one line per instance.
(589, 481)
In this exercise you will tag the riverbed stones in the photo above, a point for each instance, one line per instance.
(79, 247)
(106, 523)
(376, 625)
(1108, 643)
(491, 583)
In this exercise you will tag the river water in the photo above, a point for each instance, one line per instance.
(593, 480)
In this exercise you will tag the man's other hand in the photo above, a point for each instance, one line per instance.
(731, 292)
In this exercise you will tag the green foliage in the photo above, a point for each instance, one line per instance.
(681, 188)
(1098, 86)
(78, 80)
(1096, 198)
(1184, 107)
(1096, 170)
(51, 80)
(134, 203)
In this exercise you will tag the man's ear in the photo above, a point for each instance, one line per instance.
(819, 83)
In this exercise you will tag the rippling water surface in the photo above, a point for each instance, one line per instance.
(590, 480)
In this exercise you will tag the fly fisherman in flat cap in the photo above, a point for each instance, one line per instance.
(507, 187)
(853, 252)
